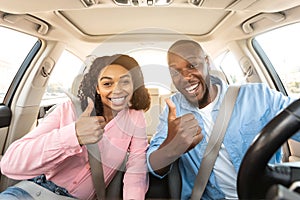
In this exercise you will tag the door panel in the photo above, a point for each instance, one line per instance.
(5, 116)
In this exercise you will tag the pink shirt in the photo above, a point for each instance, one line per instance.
(52, 149)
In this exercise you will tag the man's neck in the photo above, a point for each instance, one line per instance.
(213, 91)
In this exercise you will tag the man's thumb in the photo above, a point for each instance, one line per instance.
(172, 109)
(87, 112)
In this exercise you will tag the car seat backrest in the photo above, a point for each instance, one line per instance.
(152, 115)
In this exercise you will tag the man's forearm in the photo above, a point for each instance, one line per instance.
(162, 158)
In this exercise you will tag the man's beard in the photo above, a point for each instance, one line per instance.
(204, 101)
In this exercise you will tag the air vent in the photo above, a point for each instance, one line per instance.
(142, 3)
(88, 3)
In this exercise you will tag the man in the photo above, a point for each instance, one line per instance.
(187, 121)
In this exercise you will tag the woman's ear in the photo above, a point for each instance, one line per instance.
(97, 90)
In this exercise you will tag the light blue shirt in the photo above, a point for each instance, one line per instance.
(255, 106)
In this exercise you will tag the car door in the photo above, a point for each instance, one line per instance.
(16, 52)
(279, 50)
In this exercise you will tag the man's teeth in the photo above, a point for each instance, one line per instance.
(116, 100)
(192, 88)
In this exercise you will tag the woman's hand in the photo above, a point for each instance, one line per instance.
(89, 130)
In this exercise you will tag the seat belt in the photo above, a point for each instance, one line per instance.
(215, 142)
(93, 152)
(97, 170)
(98, 177)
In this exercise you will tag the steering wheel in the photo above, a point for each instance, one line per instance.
(255, 176)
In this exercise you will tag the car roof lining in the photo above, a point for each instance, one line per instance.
(64, 15)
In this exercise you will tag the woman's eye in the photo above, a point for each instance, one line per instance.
(107, 84)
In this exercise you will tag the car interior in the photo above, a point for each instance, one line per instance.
(47, 46)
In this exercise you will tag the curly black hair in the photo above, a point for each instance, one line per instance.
(140, 99)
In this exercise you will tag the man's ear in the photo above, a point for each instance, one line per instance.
(207, 60)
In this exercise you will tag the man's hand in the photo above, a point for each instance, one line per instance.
(183, 132)
(89, 129)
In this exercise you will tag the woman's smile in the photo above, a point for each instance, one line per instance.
(118, 101)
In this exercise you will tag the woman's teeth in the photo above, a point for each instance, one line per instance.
(117, 100)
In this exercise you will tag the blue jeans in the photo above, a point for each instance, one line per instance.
(15, 193)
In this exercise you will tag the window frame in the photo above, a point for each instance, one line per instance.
(269, 67)
(20, 73)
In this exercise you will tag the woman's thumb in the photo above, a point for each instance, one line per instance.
(89, 109)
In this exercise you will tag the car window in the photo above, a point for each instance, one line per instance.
(281, 46)
(14, 48)
(229, 65)
(67, 68)
(152, 61)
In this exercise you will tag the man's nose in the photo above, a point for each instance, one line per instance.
(186, 73)
(117, 88)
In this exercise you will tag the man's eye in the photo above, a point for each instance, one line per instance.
(192, 66)
(125, 82)
(174, 72)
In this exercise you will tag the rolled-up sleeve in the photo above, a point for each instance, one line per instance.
(158, 138)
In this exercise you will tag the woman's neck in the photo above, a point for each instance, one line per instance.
(109, 114)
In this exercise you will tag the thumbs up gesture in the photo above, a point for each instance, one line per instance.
(184, 132)
(89, 129)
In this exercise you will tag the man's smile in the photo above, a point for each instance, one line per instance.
(192, 89)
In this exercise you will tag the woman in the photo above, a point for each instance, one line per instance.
(113, 98)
